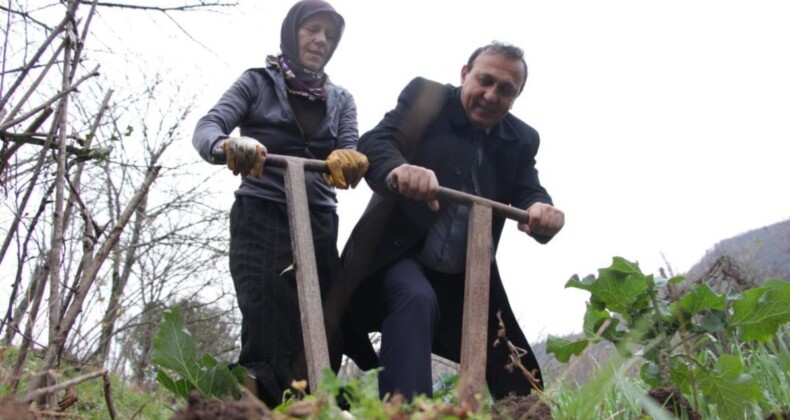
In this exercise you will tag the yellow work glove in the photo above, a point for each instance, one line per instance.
(244, 155)
(346, 168)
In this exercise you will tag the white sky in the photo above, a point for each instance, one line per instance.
(664, 125)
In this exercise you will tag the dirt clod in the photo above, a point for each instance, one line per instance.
(519, 407)
(674, 402)
(13, 409)
(199, 408)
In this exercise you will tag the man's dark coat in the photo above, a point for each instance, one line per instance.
(429, 128)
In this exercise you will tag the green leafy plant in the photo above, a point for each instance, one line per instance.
(180, 369)
(679, 340)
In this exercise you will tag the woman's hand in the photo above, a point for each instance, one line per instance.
(244, 155)
(346, 168)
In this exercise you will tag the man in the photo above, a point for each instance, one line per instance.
(408, 258)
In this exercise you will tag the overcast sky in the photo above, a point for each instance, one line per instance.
(665, 126)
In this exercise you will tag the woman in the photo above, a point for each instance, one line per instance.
(288, 108)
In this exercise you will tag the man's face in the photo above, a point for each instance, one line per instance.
(489, 89)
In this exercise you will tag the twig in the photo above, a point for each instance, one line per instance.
(81, 153)
(50, 101)
(108, 395)
(41, 273)
(14, 315)
(55, 32)
(89, 277)
(14, 70)
(25, 16)
(684, 336)
(6, 41)
(184, 8)
(63, 385)
(515, 354)
(139, 410)
(4, 157)
(38, 167)
(54, 257)
(202, 45)
(34, 86)
(76, 182)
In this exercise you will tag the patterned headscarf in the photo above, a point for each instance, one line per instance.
(299, 80)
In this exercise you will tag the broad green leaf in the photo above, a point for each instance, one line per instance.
(698, 299)
(651, 374)
(175, 350)
(588, 283)
(650, 282)
(681, 375)
(208, 361)
(624, 266)
(563, 349)
(612, 334)
(218, 381)
(180, 387)
(239, 373)
(759, 312)
(593, 319)
(678, 375)
(714, 322)
(174, 347)
(620, 288)
(728, 387)
(332, 384)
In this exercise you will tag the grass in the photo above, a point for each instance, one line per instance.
(614, 392)
(129, 401)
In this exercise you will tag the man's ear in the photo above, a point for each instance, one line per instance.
(464, 73)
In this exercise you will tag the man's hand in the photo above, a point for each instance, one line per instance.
(244, 155)
(544, 219)
(346, 168)
(415, 182)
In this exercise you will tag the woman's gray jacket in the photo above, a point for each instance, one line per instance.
(257, 104)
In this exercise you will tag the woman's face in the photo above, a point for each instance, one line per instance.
(317, 38)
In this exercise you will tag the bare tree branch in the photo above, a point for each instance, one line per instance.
(183, 8)
(58, 29)
(82, 154)
(202, 45)
(23, 101)
(26, 16)
(50, 101)
(63, 385)
(56, 345)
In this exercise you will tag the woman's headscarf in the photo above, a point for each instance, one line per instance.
(299, 80)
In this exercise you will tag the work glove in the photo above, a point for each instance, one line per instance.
(346, 168)
(244, 155)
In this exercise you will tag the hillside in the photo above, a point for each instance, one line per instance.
(760, 254)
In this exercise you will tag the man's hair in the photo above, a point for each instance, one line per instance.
(510, 51)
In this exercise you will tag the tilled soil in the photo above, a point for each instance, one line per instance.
(199, 408)
(674, 402)
(514, 407)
